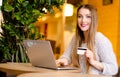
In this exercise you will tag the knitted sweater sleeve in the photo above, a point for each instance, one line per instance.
(67, 53)
(106, 55)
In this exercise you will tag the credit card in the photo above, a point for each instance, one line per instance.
(81, 50)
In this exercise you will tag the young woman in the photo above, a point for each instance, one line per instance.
(99, 58)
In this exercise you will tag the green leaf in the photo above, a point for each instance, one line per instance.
(31, 26)
(21, 52)
(20, 1)
(8, 8)
(17, 15)
(25, 3)
(16, 56)
(7, 55)
(36, 12)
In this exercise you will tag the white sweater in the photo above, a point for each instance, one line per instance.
(104, 53)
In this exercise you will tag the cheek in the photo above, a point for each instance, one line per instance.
(78, 21)
(89, 21)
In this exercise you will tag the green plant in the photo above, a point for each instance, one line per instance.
(19, 17)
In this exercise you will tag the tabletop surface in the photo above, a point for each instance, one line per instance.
(27, 70)
(19, 68)
(57, 74)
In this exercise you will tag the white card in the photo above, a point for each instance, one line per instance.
(81, 50)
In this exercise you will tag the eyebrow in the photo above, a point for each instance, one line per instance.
(86, 14)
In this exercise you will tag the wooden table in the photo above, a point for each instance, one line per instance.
(57, 74)
(27, 70)
(20, 68)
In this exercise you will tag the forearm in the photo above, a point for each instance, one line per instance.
(90, 57)
(98, 65)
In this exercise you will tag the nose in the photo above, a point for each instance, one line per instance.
(84, 19)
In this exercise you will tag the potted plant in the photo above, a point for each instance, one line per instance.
(19, 17)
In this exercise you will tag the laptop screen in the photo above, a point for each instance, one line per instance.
(40, 53)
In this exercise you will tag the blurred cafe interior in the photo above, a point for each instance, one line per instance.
(60, 28)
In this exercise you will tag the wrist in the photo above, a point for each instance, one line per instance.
(97, 65)
(93, 62)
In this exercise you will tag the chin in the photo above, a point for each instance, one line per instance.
(84, 30)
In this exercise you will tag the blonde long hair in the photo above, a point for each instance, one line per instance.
(80, 36)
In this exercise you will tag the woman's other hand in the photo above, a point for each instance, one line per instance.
(62, 62)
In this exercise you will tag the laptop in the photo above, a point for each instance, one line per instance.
(41, 54)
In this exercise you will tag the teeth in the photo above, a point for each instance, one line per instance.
(83, 25)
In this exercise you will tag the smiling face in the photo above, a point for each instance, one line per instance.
(84, 19)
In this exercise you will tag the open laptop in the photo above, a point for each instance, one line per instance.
(41, 54)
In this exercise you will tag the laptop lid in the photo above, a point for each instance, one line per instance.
(40, 53)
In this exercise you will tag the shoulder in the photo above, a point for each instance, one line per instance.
(101, 39)
(100, 35)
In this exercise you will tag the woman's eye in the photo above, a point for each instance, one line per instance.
(88, 16)
(79, 16)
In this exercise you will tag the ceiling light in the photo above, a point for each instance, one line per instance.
(0, 2)
(68, 10)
